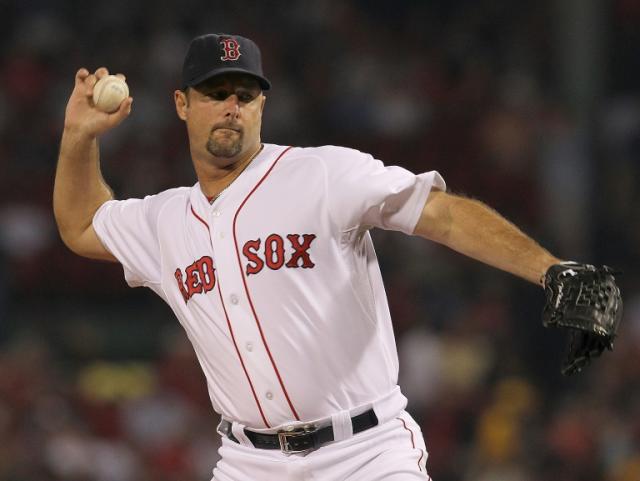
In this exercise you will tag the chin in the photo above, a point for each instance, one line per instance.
(224, 150)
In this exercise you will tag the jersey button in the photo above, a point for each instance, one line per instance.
(249, 346)
(216, 213)
(234, 299)
(221, 235)
(269, 395)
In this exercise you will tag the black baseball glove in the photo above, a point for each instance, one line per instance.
(586, 301)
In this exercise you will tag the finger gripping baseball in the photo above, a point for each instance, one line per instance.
(109, 92)
(586, 301)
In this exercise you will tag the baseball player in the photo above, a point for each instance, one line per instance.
(268, 264)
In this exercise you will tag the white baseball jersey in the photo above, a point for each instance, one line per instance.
(276, 282)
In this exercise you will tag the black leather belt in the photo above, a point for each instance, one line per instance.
(303, 438)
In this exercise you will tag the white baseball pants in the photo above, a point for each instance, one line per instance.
(392, 451)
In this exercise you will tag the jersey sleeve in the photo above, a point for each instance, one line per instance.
(363, 192)
(128, 230)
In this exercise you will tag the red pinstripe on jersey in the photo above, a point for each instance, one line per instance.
(233, 337)
(246, 288)
(246, 373)
(203, 221)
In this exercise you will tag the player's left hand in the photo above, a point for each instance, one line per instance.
(586, 301)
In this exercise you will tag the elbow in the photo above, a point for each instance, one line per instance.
(70, 234)
(64, 230)
(70, 240)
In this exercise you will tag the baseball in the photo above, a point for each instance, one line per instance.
(109, 92)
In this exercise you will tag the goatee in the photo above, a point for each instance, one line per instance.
(225, 144)
(224, 149)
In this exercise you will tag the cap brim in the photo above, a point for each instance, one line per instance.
(264, 83)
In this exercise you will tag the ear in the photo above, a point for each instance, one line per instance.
(182, 103)
(264, 99)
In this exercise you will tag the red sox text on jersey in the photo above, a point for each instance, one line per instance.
(199, 277)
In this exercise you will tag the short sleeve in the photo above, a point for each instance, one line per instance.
(128, 230)
(363, 192)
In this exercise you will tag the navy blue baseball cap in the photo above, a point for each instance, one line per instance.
(216, 54)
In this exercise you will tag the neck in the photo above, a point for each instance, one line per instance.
(215, 177)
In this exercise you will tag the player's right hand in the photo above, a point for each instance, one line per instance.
(81, 114)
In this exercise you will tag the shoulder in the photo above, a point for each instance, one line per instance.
(177, 198)
(161, 198)
(152, 204)
(331, 156)
(334, 163)
(328, 152)
(170, 194)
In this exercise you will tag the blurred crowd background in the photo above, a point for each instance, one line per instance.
(531, 106)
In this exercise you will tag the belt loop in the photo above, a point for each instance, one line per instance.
(389, 406)
(342, 427)
(238, 431)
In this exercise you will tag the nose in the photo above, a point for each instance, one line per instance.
(232, 106)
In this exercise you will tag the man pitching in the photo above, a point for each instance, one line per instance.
(268, 264)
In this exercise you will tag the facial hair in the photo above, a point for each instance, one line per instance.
(229, 146)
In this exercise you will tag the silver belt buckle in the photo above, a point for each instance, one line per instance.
(292, 432)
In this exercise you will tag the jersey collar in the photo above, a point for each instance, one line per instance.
(242, 184)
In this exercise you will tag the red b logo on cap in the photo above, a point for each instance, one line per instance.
(231, 49)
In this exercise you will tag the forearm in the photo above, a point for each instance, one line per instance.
(475, 230)
(79, 188)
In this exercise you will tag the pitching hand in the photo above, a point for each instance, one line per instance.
(82, 115)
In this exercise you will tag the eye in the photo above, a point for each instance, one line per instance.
(219, 94)
(246, 96)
